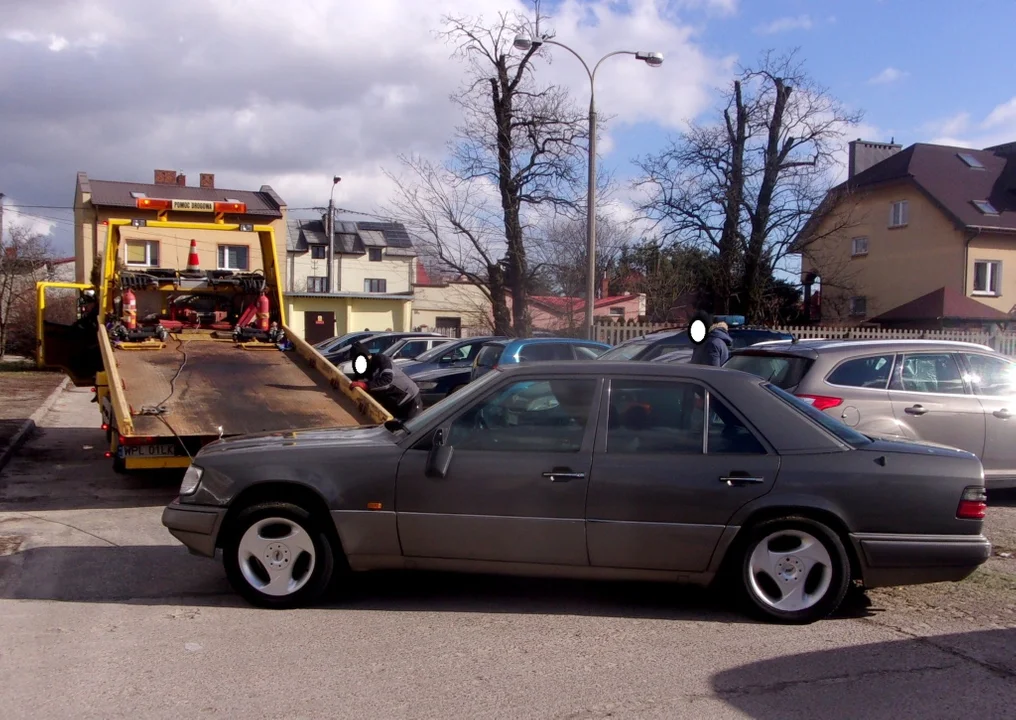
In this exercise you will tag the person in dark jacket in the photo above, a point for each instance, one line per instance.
(393, 389)
(715, 348)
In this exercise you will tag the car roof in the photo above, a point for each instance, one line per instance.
(564, 340)
(814, 348)
(567, 368)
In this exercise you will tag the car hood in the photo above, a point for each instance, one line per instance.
(331, 437)
(913, 447)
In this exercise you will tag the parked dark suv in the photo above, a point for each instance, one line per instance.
(651, 346)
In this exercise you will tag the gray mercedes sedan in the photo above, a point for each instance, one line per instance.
(648, 471)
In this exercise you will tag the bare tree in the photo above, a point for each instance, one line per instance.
(559, 253)
(24, 260)
(746, 186)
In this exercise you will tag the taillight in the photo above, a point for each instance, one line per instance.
(821, 402)
(973, 503)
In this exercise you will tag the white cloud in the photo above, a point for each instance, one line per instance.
(15, 216)
(785, 24)
(288, 94)
(888, 76)
(960, 130)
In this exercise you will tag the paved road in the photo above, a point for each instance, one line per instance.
(102, 615)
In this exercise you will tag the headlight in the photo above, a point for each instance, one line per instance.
(191, 479)
(428, 385)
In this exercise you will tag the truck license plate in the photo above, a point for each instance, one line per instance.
(167, 450)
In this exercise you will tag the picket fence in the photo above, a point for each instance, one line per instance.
(1004, 343)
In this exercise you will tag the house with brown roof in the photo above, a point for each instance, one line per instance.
(915, 237)
(98, 201)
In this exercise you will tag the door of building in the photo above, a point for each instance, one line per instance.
(448, 326)
(318, 326)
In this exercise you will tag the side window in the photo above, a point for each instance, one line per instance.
(648, 416)
(992, 376)
(929, 373)
(587, 352)
(727, 434)
(413, 348)
(544, 352)
(868, 372)
(527, 416)
(489, 355)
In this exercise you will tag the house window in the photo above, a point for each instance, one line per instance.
(859, 305)
(617, 311)
(971, 161)
(987, 277)
(375, 285)
(985, 207)
(374, 254)
(898, 214)
(142, 253)
(858, 246)
(318, 252)
(317, 284)
(234, 257)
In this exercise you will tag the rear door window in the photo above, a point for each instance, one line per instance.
(783, 371)
(545, 352)
(867, 372)
(929, 373)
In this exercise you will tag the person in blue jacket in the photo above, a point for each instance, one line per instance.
(712, 341)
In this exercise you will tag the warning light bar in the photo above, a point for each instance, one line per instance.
(207, 206)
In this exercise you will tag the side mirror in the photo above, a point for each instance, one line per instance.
(440, 457)
(446, 360)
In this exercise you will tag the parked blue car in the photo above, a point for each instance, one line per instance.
(509, 352)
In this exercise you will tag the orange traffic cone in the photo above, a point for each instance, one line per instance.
(192, 257)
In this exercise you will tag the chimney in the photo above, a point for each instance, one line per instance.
(864, 154)
(604, 288)
(207, 180)
(165, 177)
(181, 180)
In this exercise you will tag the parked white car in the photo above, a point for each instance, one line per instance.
(405, 350)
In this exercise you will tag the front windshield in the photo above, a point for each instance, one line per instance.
(464, 395)
(624, 352)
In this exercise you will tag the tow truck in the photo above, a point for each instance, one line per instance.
(216, 360)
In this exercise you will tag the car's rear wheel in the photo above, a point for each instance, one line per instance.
(278, 555)
(794, 570)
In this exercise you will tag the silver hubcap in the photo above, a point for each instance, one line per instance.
(276, 556)
(790, 570)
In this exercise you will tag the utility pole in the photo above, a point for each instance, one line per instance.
(2, 218)
(330, 233)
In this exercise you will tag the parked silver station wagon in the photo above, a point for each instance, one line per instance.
(953, 393)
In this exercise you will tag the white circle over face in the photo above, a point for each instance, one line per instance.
(697, 331)
(360, 365)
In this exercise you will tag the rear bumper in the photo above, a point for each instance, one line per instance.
(918, 559)
(196, 526)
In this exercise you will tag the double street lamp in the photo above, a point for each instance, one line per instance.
(652, 59)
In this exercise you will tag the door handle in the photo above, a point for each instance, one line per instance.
(563, 475)
(740, 478)
(1003, 414)
(915, 410)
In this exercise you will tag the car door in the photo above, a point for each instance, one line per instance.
(994, 382)
(664, 483)
(932, 402)
(516, 484)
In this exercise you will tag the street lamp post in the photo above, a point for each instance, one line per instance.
(652, 59)
(330, 235)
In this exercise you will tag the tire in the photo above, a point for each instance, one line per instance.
(257, 551)
(793, 570)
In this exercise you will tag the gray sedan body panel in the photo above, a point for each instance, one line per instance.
(584, 511)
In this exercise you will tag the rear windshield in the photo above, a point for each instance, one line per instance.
(783, 371)
(744, 338)
(848, 435)
(489, 355)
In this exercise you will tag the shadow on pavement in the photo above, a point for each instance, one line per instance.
(945, 676)
(64, 468)
(169, 575)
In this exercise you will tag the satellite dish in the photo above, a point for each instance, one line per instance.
(359, 365)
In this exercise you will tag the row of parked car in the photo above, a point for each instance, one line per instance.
(951, 393)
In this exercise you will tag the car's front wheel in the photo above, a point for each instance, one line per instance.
(794, 570)
(278, 555)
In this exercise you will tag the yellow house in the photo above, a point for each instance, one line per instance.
(371, 278)
(97, 201)
(456, 308)
(915, 237)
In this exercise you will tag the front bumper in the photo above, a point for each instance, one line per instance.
(917, 559)
(196, 526)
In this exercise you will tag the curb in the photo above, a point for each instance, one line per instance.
(30, 424)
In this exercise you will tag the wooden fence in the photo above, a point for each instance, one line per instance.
(1004, 343)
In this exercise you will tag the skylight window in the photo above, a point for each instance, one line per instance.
(137, 194)
(985, 207)
(971, 161)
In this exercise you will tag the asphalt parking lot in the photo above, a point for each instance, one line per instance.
(104, 615)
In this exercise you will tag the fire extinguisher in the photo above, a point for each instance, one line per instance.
(130, 309)
(263, 313)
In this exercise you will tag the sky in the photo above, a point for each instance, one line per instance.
(290, 93)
